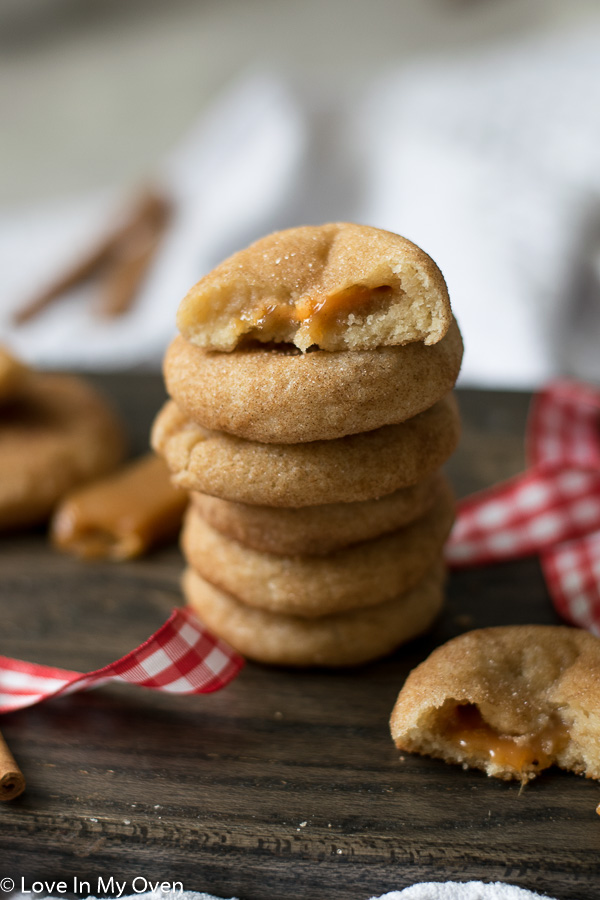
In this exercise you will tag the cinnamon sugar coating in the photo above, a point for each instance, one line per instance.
(353, 468)
(363, 575)
(279, 395)
(317, 530)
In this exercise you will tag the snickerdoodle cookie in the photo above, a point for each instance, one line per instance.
(338, 286)
(357, 467)
(345, 639)
(276, 394)
(317, 530)
(511, 700)
(362, 575)
(55, 434)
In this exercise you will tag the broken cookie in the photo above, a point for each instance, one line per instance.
(511, 701)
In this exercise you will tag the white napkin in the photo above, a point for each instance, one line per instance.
(490, 162)
(459, 890)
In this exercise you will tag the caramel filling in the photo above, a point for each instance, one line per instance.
(466, 728)
(123, 515)
(321, 314)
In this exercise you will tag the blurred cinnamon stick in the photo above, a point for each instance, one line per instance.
(12, 782)
(123, 255)
(131, 260)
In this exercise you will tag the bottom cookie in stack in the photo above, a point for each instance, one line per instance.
(343, 639)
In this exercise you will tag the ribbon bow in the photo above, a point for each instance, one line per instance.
(553, 508)
(182, 657)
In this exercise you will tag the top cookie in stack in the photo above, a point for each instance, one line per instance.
(311, 403)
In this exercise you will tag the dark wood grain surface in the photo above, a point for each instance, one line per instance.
(286, 783)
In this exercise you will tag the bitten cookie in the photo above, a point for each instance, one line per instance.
(57, 433)
(511, 701)
(337, 640)
(354, 468)
(276, 394)
(317, 530)
(338, 286)
(363, 575)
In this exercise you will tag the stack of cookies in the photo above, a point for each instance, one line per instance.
(310, 414)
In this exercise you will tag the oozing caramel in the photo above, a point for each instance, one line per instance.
(121, 516)
(320, 313)
(325, 312)
(524, 753)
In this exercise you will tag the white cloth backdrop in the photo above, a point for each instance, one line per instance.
(490, 162)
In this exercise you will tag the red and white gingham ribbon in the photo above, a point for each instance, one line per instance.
(552, 509)
(182, 657)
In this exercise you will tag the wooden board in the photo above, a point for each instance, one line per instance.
(286, 783)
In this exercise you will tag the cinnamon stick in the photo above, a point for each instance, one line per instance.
(131, 260)
(79, 272)
(150, 212)
(12, 782)
(14, 375)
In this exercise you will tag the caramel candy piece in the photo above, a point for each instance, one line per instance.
(336, 287)
(511, 701)
(121, 516)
